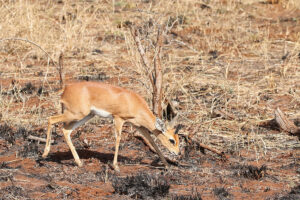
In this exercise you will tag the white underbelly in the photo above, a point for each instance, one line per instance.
(100, 112)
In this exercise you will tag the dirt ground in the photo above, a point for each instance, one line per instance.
(227, 65)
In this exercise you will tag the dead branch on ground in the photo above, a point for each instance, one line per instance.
(31, 137)
(220, 153)
(286, 124)
(200, 145)
(224, 114)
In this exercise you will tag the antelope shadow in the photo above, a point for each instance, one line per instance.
(105, 158)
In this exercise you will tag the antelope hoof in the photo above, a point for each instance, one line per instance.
(79, 163)
(45, 154)
(116, 168)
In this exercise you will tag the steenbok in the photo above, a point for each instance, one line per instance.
(83, 100)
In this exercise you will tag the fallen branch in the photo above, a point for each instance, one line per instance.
(225, 114)
(284, 123)
(11, 161)
(220, 153)
(200, 145)
(31, 137)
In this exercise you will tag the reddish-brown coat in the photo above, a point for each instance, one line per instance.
(79, 97)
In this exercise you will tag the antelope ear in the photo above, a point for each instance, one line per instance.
(172, 123)
(160, 125)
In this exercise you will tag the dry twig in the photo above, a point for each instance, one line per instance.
(222, 154)
(284, 123)
(60, 63)
(31, 137)
(60, 70)
(158, 78)
(225, 114)
(28, 41)
(136, 36)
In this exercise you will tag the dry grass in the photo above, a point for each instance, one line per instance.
(242, 58)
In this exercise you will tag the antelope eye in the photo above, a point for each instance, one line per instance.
(172, 141)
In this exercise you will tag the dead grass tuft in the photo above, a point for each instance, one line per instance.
(251, 172)
(222, 193)
(194, 196)
(13, 192)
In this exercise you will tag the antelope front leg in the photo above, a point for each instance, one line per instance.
(118, 125)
